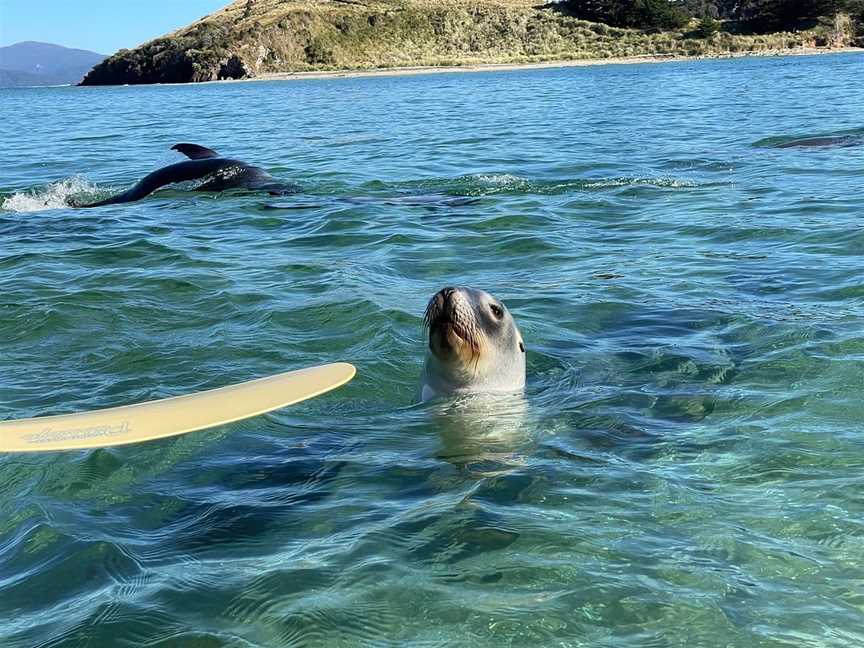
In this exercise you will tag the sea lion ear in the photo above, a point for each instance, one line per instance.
(195, 152)
(521, 346)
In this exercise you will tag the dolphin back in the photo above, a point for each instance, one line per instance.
(217, 173)
(818, 142)
(226, 174)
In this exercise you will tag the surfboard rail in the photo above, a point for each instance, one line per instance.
(172, 416)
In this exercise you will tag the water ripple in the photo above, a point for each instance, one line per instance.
(685, 468)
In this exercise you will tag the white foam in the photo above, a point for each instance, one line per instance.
(500, 179)
(53, 196)
(662, 182)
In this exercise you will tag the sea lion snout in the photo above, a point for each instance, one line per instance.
(452, 325)
(443, 305)
(474, 344)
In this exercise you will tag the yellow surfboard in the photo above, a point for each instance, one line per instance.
(171, 416)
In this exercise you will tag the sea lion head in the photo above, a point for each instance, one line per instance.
(474, 345)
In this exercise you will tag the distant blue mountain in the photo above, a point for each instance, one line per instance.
(31, 63)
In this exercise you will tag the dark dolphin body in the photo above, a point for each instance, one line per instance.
(217, 173)
(817, 142)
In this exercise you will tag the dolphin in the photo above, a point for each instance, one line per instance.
(217, 173)
(817, 142)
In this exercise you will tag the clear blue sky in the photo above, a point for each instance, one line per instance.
(102, 26)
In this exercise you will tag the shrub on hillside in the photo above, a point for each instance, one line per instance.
(706, 28)
(638, 14)
(753, 15)
(779, 15)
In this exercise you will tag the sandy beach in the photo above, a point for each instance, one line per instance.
(505, 67)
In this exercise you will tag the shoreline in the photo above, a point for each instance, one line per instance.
(541, 65)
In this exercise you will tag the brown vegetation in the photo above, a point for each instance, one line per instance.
(249, 38)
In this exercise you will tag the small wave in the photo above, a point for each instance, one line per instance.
(93, 138)
(56, 195)
(479, 185)
(506, 183)
(661, 182)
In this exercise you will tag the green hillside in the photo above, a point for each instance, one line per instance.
(250, 38)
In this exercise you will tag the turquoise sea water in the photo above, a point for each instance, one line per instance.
(690, 467)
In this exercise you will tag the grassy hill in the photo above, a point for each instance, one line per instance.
(250, 38)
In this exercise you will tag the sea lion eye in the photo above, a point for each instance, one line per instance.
(497, 311)
(521, 347)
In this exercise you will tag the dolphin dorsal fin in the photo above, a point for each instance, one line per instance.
(195, 152)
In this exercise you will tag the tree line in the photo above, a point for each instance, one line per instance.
(755, 15)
